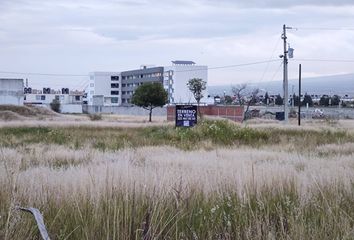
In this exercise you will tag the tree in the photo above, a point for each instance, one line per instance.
(150, 96)
(324, 101)
(279, 100)
(266, 98)
(228, 99)
(252, 99)
(197, 86)
(335, 100)
(307, 100)
(240, 91)
(55, 105)
(295, 99)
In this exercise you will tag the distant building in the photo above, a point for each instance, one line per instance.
(109, 89)
(70, 101)
(11, 91)
(103, 88)
(180, 73)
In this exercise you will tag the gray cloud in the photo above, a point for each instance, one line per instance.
(82, 36)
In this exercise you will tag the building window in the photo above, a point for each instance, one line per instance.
(42, 97)
(77, 98)
(115, 78)
(124, 92)
(123, 77)
(124, 85)
(114, 92)
(123, 100)
(92, 84)
(114, 85)
(114, 100)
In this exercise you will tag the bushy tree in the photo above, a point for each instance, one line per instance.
(335, 100)
(307, 100)
(228, 99)
(266, 98)
(197, 86)
(55, 105)
(324, 101)
(150, 96)
(279, 100)
(295, 99)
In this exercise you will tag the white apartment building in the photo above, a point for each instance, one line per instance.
(11, 91)
(116, 88)
(177, 77)
(104, 89)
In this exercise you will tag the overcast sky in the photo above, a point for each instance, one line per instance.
(78, 37)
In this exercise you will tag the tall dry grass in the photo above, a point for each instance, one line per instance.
(92, 194)
(279, 188)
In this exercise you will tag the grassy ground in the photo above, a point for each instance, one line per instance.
(217, 181)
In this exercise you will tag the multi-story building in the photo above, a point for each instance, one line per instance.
(132, 79)
(117, 88)
(104, 89)
(177, 77)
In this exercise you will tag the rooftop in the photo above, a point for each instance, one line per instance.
(178, 62)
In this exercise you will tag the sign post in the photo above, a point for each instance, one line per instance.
(186, 115)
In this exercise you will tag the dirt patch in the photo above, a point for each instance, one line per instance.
(26, 111)
(10, 116)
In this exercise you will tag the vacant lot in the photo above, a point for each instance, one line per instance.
(125, 179)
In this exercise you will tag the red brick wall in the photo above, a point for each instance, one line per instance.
(234, 113)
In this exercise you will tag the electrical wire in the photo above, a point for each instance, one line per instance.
(270, 58)
(189, 70)
(46, 74)
(322, 60)
(324, 28)
(276, 72)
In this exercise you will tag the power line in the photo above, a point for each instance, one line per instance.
(270, 58)
(276, 72)
(231, 66)
(322, 60)
(46, 74)
(324, 28)
(189, 70)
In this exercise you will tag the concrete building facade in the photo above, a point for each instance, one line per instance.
(11, 91)
(177, 77)
(104, 89)
(109, 89)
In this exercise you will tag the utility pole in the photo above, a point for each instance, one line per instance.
(285, 75)
(299, 111)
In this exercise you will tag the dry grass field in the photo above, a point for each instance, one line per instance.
(123, 178)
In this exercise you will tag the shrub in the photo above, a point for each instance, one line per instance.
(95, 117)
(55, 105)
